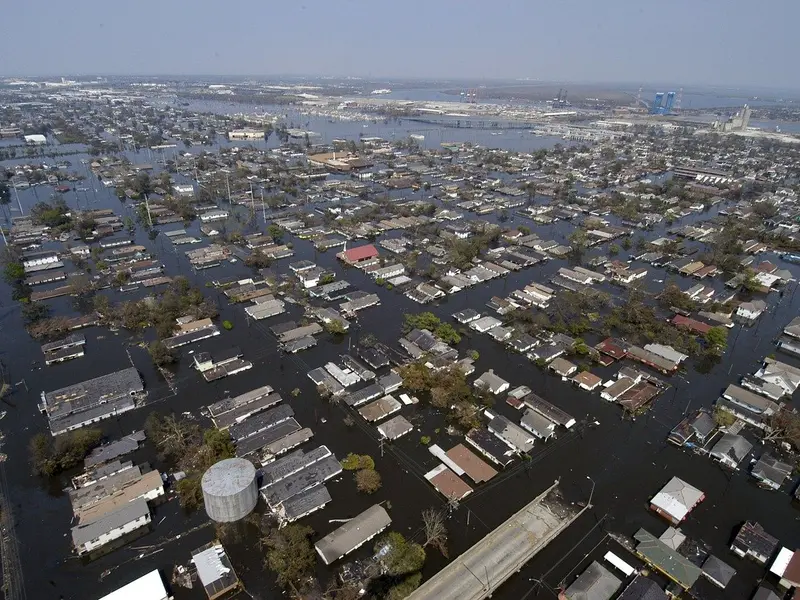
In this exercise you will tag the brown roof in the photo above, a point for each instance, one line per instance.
(639, 395)
(450, 485)
(792, 572)
(473, 466)
(587, 378)
(610, 347)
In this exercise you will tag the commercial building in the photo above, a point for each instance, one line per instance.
(147, 587)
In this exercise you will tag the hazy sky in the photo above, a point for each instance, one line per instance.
(726, 42)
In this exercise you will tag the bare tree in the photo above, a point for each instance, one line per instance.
(784, 426)
(435, 530)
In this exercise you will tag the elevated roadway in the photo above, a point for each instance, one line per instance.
(482, 569)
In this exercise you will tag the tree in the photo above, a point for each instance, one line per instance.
(355, 462)
(717, 339)
(335, 327)
(14, 272)
(368, 481)
(405, 587)
(53, 455)
(435, 530)
(275, 232)
(34, 311)
(160, 354)
(447, 333)
(578, 242)
(290, 553)
(400, 557)
(784, 425)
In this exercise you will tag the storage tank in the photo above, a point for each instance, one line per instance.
(230, 491)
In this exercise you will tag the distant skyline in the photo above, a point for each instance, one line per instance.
(688, 42)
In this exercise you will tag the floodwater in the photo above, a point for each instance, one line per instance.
(627, 461)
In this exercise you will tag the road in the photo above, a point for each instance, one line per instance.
(478, 572)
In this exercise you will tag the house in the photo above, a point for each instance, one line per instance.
(614, 391)
(693, 430)
(731, 450)
(587, 381)
(787, 567)
(359, 254)
(666, 352)
(484, 324)
(751, 310)
(561, 366)
(491, 382)
(781, 374)
(793, 328)
(539, 425)
(595, 583)
(666, 560)
(763, 593)
(130, 517)
(749, 401)
(676, 500)
(214, 570)
(514, 436)
(718, 572)
(751, 540)
(642, 588)
(770, 472)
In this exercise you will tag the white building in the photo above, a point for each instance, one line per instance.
(112, 526)
(32, 260)
(214, 215)
(246, 134)
(147, 587)
(35, 139)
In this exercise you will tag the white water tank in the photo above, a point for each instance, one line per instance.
(230, 491)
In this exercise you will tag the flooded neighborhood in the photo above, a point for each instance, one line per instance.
(327, 339)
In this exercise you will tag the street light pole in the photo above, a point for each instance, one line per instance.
(591, 493)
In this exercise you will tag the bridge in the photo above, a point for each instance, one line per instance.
(482, 569)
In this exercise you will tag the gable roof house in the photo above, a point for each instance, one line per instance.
(595, 583)
(731, 450)
(780, 374)
(753, 541)
(491, 382)
(770, 472)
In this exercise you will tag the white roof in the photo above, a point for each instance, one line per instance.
(781, 562)
(147, 587)
(677, 498)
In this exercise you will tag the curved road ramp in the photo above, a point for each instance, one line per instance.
(482, 569)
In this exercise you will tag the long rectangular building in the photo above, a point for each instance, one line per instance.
(353, 534)
(90, 401)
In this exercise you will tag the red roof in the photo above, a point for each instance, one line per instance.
(692, 324)
(360, 253)
(610, 347)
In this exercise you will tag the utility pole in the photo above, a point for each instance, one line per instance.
(147, 205)
(16, 193)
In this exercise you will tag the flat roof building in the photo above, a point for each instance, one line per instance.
(147, 587)
(214, 570)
